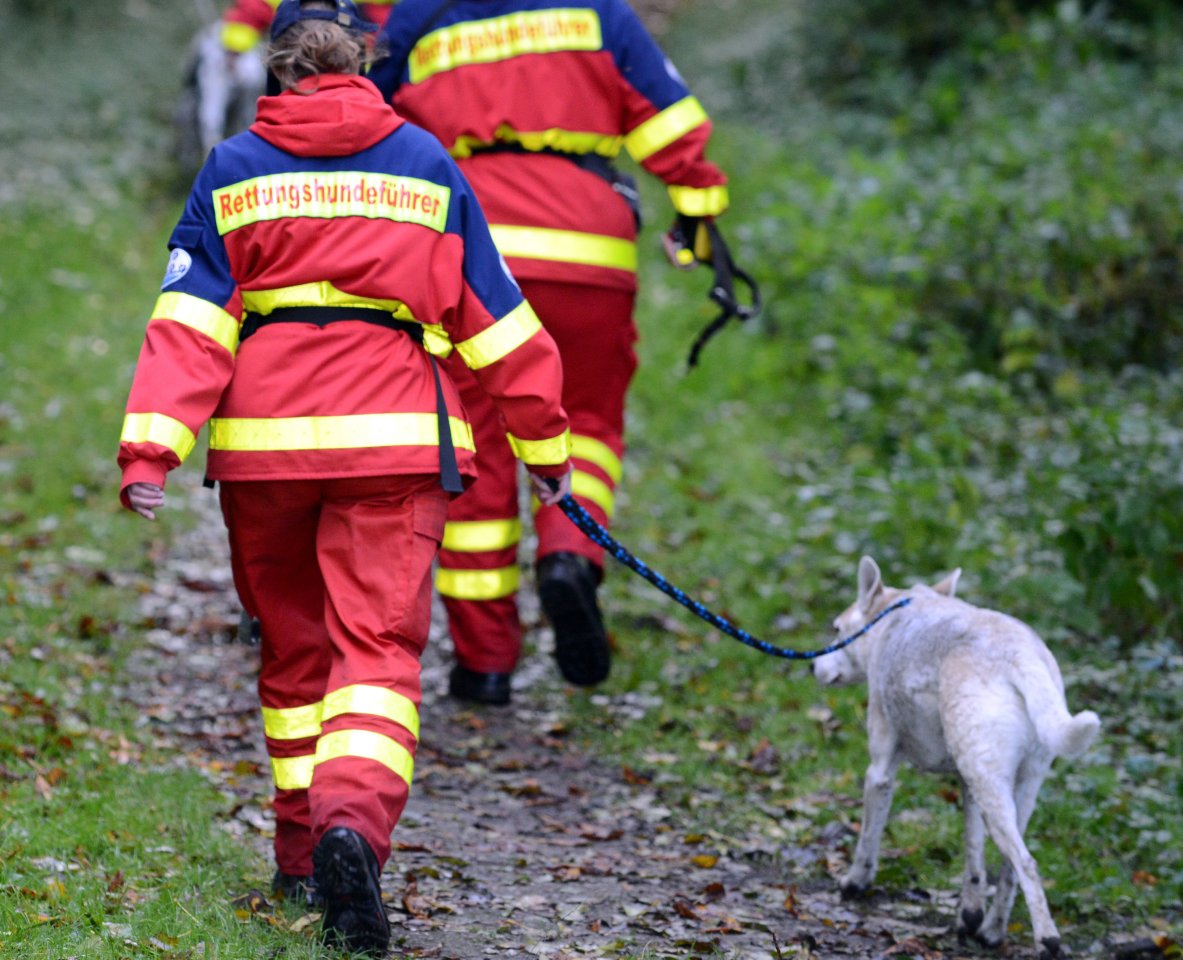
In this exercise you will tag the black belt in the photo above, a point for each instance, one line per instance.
(602, 167)
(322, 316)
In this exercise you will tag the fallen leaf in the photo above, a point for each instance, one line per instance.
(44, 790)
(250, 903)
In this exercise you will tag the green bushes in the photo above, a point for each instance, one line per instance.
(976, 304)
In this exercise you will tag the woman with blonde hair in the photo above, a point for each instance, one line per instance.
(324, 260)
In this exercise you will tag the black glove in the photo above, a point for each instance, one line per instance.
(688, 242)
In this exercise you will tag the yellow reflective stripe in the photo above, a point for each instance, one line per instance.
(664, 128)
(373, 701)
(368, 746)
(200, 315)
(479, 536)
(500, 339)
(499, 38)
(292, 773)
(328, 194)
(292, 723)
(158, 428)
(477, 584)
(541, 452)
(320, 294)
(565, 246)
(238, 37)
(699, 201)
(595, 490)
(335, 433)
(597, 452)
(566, 141)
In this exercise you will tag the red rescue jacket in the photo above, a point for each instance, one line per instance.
(551, 78)
(332, 200)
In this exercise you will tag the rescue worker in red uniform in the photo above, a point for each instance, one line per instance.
(534, 98)
(324, 260)
(245, 22)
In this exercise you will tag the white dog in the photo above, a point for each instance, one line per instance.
(953, 687)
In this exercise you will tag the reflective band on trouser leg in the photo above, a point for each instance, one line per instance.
(591, 491)
(477, 580)
(293, 773)
(366, 745)
(478, 536)
(369, 700)
(478, 584)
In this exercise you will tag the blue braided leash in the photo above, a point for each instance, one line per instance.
(597, 534)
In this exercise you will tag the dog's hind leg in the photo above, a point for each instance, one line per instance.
(993, 930)
(972, 902)
(1006, 819)
(877, 790)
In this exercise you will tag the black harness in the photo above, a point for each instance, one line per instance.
(323, 316)
(602, 167)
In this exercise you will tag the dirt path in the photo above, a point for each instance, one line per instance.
(514, 843)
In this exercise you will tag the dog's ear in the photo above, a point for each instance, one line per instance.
(870, 583)
(948, 586)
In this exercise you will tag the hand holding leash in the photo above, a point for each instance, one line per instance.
(694, 240)
(550, 490)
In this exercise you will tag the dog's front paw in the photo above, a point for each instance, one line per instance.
(853, 890)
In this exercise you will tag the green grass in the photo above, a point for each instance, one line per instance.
(108, 846)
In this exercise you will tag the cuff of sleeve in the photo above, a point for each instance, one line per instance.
(699, 201)
(141, 471)
(555, 470)
(547, 452)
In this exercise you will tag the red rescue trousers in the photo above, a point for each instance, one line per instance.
(338, 571)
(478, 573)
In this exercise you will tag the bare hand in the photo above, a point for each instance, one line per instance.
(145, 498)
(549, 490)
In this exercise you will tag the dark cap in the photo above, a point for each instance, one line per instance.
(346, 14)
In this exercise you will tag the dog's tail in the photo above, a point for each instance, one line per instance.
(1065, 734)
(1077, 735)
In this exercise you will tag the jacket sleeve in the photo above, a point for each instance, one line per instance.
(666, 128)
(187, 356)
(500, 338)
(245, 22)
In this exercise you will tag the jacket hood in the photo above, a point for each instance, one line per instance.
(343, 115)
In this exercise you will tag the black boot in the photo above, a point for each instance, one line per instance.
(346, 874)
(567, 588)
(477, 687)
(295, 888)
